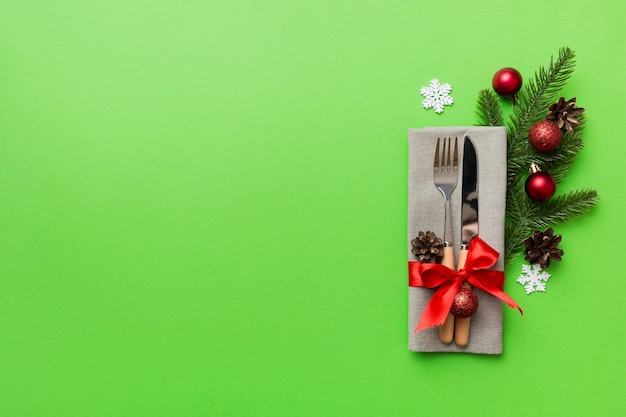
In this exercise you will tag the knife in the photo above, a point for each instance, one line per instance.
(469, 226)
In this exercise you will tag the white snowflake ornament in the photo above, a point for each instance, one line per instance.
(533, 278)
(436, 96)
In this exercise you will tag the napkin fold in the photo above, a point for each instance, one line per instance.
(426, 212)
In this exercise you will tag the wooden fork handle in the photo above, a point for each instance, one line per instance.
(446, 331)
(462, 325)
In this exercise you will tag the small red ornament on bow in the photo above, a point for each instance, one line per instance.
(476, 271)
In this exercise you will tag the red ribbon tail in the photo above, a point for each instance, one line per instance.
(438, 307)
(487, 286)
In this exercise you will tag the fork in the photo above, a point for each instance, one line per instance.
(445, 175)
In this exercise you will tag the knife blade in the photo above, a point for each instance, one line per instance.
(469, 195)
(469, 225)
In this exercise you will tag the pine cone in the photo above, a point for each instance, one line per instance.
(564, 113)
(541, 247)
(427, 247)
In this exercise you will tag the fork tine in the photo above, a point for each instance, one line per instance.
(436, 165)
(448, 162)
(443, 156)
(455, 163)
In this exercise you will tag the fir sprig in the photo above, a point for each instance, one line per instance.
(523, 215)
(558, 209)
(536, 95)
(489, 109)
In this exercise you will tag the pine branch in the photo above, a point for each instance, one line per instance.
(516, 227)
(533, 101)
(514, 241)
(489, 109)
(563, 207)
(559, 209)
(536, 95)
(523, 215)
(557, 162)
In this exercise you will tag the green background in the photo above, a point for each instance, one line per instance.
(203, 209)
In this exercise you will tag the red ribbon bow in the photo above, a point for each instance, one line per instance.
(476, 271)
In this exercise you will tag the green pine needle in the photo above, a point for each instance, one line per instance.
(523, 215)
(558, 209)
(536, 95)
(489, 109)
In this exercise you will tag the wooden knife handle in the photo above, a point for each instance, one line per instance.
(446, 331)
(462, 325)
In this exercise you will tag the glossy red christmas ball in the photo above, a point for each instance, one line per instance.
(465, 303)
(507, 81)
(540, 185)
(545, 135)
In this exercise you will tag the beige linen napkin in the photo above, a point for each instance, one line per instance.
(426, 212)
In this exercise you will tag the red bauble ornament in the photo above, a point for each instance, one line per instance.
(465, 303)
(545, 135)
(507, 81)
(540, 185)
